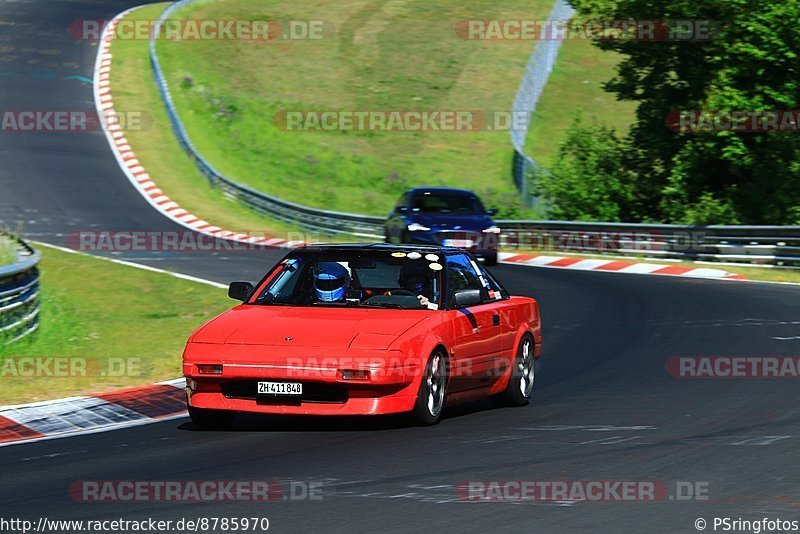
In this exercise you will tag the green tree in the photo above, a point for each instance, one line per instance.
(587, 182)
(749, 63)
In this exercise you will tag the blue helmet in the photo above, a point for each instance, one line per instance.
(331, 281)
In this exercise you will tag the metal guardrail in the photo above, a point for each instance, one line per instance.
(309, 219)
(19, 293)
(537, 72)
(768, 245)
(765, 245)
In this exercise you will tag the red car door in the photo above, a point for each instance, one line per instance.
(479, 331)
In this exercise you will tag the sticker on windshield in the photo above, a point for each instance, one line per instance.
(398, 254)
(432, 257)
(414, 255)
(435, 266)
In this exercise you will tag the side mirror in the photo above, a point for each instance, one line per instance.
(401, 209)
(491, 213)
(240, 291)
(464, 298)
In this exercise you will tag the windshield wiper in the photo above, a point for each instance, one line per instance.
(384, 305)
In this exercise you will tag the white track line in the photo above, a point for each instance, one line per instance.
(134, 265)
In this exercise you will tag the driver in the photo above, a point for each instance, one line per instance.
(416, 280)
(331, 281)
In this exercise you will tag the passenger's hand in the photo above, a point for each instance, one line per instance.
(425, 301)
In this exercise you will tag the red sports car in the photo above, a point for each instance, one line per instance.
(364, 329)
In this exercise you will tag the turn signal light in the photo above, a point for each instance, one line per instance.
(209, 369)
(354, 374)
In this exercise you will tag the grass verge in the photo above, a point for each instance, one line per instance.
(576, 86)
(378, 56)
(8, 250)
(157, 149)
(93, 310)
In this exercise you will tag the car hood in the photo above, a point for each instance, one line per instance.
(302, 327)
(449, 221)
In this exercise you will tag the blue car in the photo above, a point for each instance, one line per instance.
(446, 217)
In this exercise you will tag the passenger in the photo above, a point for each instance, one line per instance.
(416, 281)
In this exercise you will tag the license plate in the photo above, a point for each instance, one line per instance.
(280, 388)
(458, 243)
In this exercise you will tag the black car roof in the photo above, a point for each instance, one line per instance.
(352, 247)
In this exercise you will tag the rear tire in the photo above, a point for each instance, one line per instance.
(523, 374)
(490, 259)
(211, 419)
(432, 391)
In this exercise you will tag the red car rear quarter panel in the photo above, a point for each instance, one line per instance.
(527, 320)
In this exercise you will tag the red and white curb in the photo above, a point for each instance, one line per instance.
(75, 416)
(136, 173)
(615, 266)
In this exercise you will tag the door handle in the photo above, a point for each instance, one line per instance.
(495, 320)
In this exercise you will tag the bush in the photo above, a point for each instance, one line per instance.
(588, 181)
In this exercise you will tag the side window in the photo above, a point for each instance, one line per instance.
(403, 200)
(494, 291)
(464, 273)
(461, 274)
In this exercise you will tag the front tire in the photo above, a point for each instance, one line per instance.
(432, 389)
(211, 419)
(523, 375)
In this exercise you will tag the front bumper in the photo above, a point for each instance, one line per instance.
(391, 387)
(479, 244)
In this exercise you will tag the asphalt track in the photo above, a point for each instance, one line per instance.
(605, 409)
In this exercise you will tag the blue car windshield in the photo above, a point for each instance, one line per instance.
(374, 278)
(446, 202)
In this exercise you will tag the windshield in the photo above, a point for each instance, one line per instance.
(374, 278)
(446, 202)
